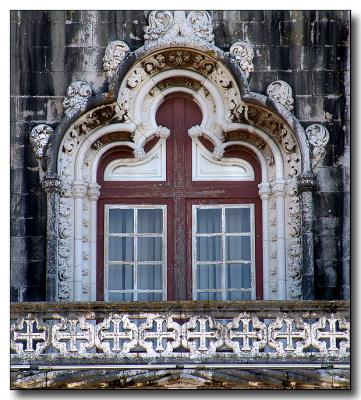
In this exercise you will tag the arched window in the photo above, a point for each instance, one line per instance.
(179, 224)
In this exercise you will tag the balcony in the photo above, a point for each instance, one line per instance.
(71, 345)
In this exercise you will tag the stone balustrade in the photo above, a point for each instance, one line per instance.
(187, 332)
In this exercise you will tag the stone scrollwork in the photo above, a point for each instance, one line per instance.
(77, 96)
(318, 136)
(195, 131)
(243, 54)
(160, 22)
(114, 55)
(39, 137)
(136, 77)
(281, 92)
(201, 23)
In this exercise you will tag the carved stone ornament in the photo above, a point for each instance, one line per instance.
(162, 132)
(281, 92)
(242, 52)
(114, 55)
(318, 136)
(77, 97)
(39, 137)
(167, 27)
(195, 131)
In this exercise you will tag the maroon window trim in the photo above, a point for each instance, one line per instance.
(178, 113)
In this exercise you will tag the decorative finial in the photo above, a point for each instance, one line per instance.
(243, 54)
(76, 98)
(281, 92)
(114, 55)
(318, 136)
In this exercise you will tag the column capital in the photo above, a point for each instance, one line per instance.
(79, 189)
(306, 182)
(264, 190)
(51, 184)
(278, 188)
(93, 191)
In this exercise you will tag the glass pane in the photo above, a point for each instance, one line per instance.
(239, 296)
(238, 276)
(121, 220)
(120, 249)
(150, 296)
(238, 248)
(150, 277)
(209, 248)
(120, 277)
(120, 296)
(209, 220)
(238, 220)
(150, 249)
(150, 221)
(209, 296)
(209, 276)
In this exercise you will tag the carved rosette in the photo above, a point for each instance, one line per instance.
(243, 54)
(281, 92)
(39, 137)
(318, 136)
(114, 55)
(77, 96)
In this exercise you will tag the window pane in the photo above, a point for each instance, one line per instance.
(149, 277)
(209, 248)
(121, 220)
(209, 296)
(238, 276)
(209, 276)
(150, 249)
(239, 295)
(150, 296)
(238, 248)
(238, 220)
(150, 221)
(120, 249)
(120, 277)
(209, 220)
(120, 296)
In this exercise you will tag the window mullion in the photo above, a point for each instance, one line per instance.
(223, 265)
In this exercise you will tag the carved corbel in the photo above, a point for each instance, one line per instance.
(114, 55)
(77, 96)
(243, 54)
(281, 92)
(318, 136)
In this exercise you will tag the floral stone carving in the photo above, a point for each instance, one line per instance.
(39, 137)
(201, 23)
(281, 92)
(319, 137)
(114, 55)
(242, 52)
(76, 97)
(160, 22)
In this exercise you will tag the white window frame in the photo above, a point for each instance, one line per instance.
(135, 235)
(223, 263)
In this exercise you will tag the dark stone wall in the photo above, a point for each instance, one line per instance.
(307, 49)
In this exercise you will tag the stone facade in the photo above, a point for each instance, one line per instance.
(308, 50)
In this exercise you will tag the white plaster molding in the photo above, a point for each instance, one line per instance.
(76, 98)
(151, 168)
(206, 168)
(39, 137)
(318, 136)
(243, 54)
(114, 55)
(281, 92)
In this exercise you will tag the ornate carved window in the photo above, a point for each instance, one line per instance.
(115, 149)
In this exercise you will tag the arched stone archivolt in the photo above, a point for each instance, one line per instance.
(263, 124)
